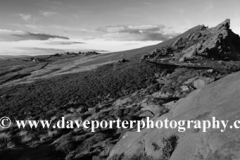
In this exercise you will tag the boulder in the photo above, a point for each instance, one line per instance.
(201, 82)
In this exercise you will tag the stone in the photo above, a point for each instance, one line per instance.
(210, 71)
(201, 82)
(184, 88)
(146, 114)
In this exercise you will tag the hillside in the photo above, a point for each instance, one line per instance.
(191, 76)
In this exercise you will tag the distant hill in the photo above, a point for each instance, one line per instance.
(6, 57)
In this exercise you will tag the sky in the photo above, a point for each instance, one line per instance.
(37, 27)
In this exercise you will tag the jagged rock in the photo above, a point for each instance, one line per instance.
(177, 42)
(156, 53)
(217, 43)
(189, 53)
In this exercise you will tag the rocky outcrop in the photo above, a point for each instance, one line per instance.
(220, 100)
(164, 51)
(217, 43)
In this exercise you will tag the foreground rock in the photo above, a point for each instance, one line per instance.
(220, 100)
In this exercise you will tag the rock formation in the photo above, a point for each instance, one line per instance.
(217, 43)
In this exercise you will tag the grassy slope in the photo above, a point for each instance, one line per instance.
(88, 88)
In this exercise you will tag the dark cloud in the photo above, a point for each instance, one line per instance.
(37, 36)
(64, 43)
(137, 33)
(37, 49)
(9, 35)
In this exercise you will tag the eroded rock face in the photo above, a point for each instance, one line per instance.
(219, 99)
(217, 43)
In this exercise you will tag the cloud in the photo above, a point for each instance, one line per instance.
(27, 18)
(148, 3)
(64, 43)
(137, 33)
(47, 13)
(9, 35)
(32, 26)
(38, 49)
(85, 30)
(37, 36)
